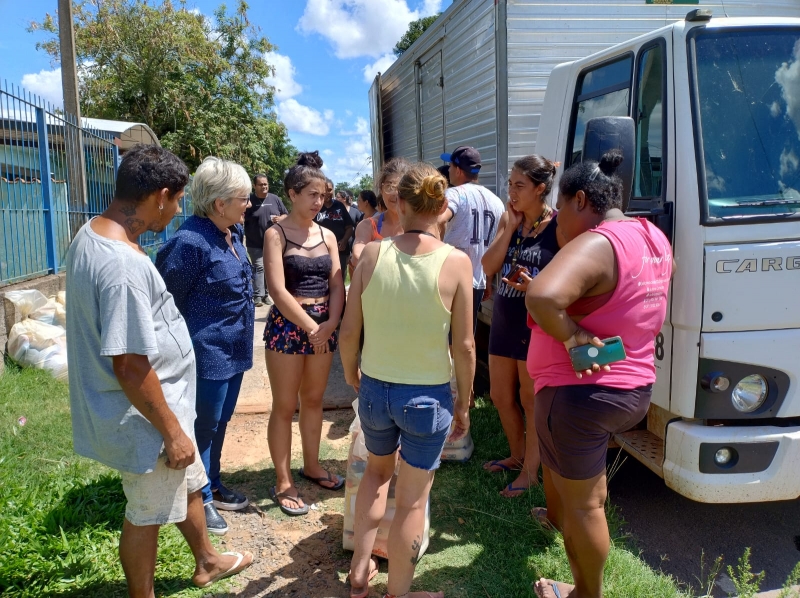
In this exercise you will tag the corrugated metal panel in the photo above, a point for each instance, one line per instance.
(543, 34)
(399, 110)
(468, 59)
(432, 109)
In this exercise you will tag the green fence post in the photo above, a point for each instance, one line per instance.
(47, 198)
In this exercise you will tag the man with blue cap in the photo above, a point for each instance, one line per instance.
(472, 215)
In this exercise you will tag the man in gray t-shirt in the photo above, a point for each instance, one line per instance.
(472, 215)
(132, 371)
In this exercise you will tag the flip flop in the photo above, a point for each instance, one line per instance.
(237, 567)
(496, 463)
(512, 488)
(554, 585)
(327, 478)
(540, 515)
(293, 511)
(370, 577)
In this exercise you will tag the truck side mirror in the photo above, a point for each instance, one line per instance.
(605, 133)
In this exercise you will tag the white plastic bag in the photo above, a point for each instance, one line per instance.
(460, 450)
(27, 301)
(356, 465)
(32, 343)
(51, 312)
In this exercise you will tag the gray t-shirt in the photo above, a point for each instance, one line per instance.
(117, 304)
(476, 214)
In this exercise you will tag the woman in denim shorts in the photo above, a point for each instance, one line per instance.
(407, 292)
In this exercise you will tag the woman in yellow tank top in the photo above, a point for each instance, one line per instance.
(407, 292)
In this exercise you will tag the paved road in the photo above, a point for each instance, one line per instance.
(672, 530)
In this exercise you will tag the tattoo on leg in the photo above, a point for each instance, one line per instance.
(134, 225)
(415, 546)
(128, 210)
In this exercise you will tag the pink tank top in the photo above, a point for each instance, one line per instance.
(636, 311)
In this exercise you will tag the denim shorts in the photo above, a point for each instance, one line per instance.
(416, 418)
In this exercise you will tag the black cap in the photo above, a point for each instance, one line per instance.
(466, 158)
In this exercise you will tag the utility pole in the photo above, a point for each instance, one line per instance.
(73, 136)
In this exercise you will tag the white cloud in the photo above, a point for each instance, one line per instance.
(302, 119)
(283, 79)
(358, 28)
(789, 162)
(379, 66)
(46, 84)
(327, 153)
(328, 114)
(788, 77)
(362, 128)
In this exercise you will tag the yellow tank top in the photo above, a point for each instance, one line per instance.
(405, 321)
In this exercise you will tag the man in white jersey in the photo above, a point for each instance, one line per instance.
(472, 215)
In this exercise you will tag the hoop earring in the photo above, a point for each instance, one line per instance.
(160, 209)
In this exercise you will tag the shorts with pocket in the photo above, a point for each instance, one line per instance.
(161, 496)
(416, 418)
(574, 424)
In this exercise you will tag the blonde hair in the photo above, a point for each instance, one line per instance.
(422, 187)
(217, 179)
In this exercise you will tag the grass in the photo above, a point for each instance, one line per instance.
(61, 513)
(61, 516)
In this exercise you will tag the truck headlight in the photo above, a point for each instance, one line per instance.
(750, 393)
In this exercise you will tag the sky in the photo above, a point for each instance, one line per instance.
(328, 52)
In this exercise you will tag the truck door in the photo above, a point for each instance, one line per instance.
(431, 108)
(635, 83)
(651, 183)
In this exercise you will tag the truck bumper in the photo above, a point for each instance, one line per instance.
(765, 468)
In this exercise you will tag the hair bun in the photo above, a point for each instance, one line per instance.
(310, 159)
(433, 186)
(611, 161)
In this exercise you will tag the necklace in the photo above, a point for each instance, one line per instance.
(520, 236)
(422, 232)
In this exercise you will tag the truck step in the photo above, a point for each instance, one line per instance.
(645, 447)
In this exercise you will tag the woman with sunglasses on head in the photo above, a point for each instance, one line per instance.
(385, 223)
(301, 259)
(524, 245)
(407, 293)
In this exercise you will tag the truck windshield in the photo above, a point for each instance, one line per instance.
(748, 96)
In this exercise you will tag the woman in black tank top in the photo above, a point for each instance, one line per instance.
(301, 261)
(525, 243)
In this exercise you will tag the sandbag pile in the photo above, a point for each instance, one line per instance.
(40, 339)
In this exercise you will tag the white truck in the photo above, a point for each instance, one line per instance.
(716, 107)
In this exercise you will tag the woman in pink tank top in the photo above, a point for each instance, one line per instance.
(611, 278)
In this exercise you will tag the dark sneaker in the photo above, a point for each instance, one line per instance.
(214, 522)
(228, 500)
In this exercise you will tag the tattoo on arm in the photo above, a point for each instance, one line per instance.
(150, 407)
(134, 225)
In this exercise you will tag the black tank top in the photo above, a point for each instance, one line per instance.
(532, 252)
(306, 269)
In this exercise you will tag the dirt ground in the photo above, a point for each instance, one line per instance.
(299, 556)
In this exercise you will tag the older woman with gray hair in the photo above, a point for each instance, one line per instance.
(205, 267)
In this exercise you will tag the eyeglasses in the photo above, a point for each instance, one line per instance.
(391, 188)
(242, 199)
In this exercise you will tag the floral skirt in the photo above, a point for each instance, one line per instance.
(284, 336)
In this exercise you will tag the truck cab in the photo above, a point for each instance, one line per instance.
(716, 108)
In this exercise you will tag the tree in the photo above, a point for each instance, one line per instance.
(366, 182)
(415, 29)
(197, 82)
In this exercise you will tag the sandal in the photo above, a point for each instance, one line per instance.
(293, 511)
(242, 562)
(540, 516)
(337, 481)
(372, 573)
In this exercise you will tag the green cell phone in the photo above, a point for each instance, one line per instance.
(584, 356)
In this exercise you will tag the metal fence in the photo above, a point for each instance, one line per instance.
(42, 204)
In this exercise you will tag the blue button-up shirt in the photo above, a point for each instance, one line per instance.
(214, 293)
